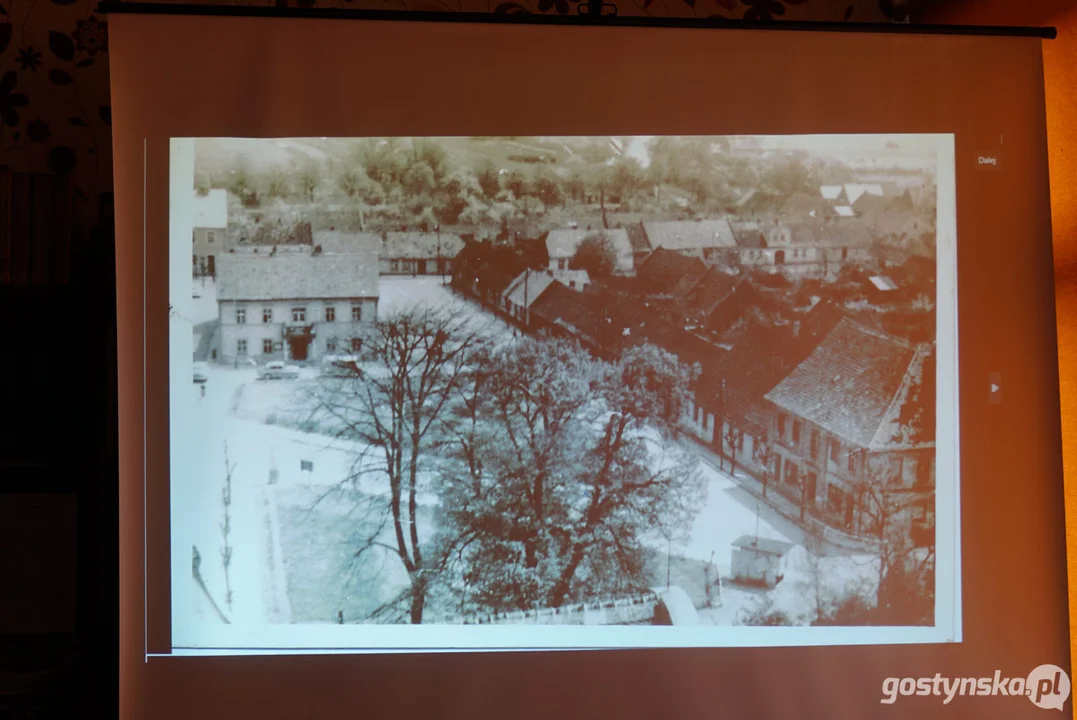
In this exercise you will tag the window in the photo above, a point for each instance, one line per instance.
(572, 284)
(241, 316)
(796, 432)
(357, 312)
(357, 345)
(267, 347)
(267, 315)
(299, 315)
(195, 262)
(833, 498)
(330, 313)
(852, 462)
(209, 237)
(331, 345)
(562, 264)
(241, 347)
(845, 253)
(814, 444)
(835, 448)
(781, 426)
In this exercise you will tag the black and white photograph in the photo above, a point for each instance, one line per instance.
(467, 392)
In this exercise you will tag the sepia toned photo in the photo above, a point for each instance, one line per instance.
(576, 384)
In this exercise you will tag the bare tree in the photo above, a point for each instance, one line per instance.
(764, 455)
(392, 407)
(905, 585)
(734, 439)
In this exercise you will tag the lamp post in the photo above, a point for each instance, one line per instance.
(437, 229)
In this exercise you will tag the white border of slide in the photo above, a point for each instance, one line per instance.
(212, 639)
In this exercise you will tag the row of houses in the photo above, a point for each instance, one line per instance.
(821, 404)
(806, 243)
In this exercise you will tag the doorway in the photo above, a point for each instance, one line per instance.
(299, 347)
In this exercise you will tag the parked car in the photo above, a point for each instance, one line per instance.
(277, 370)
(201, 373)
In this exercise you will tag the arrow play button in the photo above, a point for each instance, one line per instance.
(994, 381)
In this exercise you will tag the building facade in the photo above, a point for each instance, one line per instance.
(210, 237)
(852, 424)
(294, 306)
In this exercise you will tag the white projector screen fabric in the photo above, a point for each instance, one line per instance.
(848, 164)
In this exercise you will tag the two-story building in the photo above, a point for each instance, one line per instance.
(814, 248)
(210, 237)
(854, 419)
(296, 306)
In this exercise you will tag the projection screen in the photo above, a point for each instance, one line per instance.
(476, 337)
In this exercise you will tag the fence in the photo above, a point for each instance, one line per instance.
(629, 610)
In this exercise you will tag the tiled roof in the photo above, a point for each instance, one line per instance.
(564, 243)
(664, 270)
(420, 245)
(761, 357)
(211, 209)
(849, 384)
(690, 234)
(337, 241)
(714, 287)
(749, 235)
(638, 238)
(526, 288)
(296, 276)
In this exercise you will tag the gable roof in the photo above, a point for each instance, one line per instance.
(831, 192)
(849, 384)
(420, 245)
(563, 243)
(295, 276)
(637, 237)
(853, 191)
(211, 209)
(689, 234)
(844, 211)
(667, 272)
(338, 241)
(714, 287)
(526, 288)
(763, 355)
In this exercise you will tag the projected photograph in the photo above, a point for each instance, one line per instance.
(487, 384)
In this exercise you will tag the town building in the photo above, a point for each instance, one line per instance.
(210, 237)
(523, 291)
(562, 245)
(293, 305)
(707, 240)
(853, 420)
(807, 248)
(418, 253)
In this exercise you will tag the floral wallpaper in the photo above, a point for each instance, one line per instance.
(55, 114)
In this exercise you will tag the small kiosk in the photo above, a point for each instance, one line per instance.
(759, 561)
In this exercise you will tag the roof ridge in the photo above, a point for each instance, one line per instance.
(919, 355)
